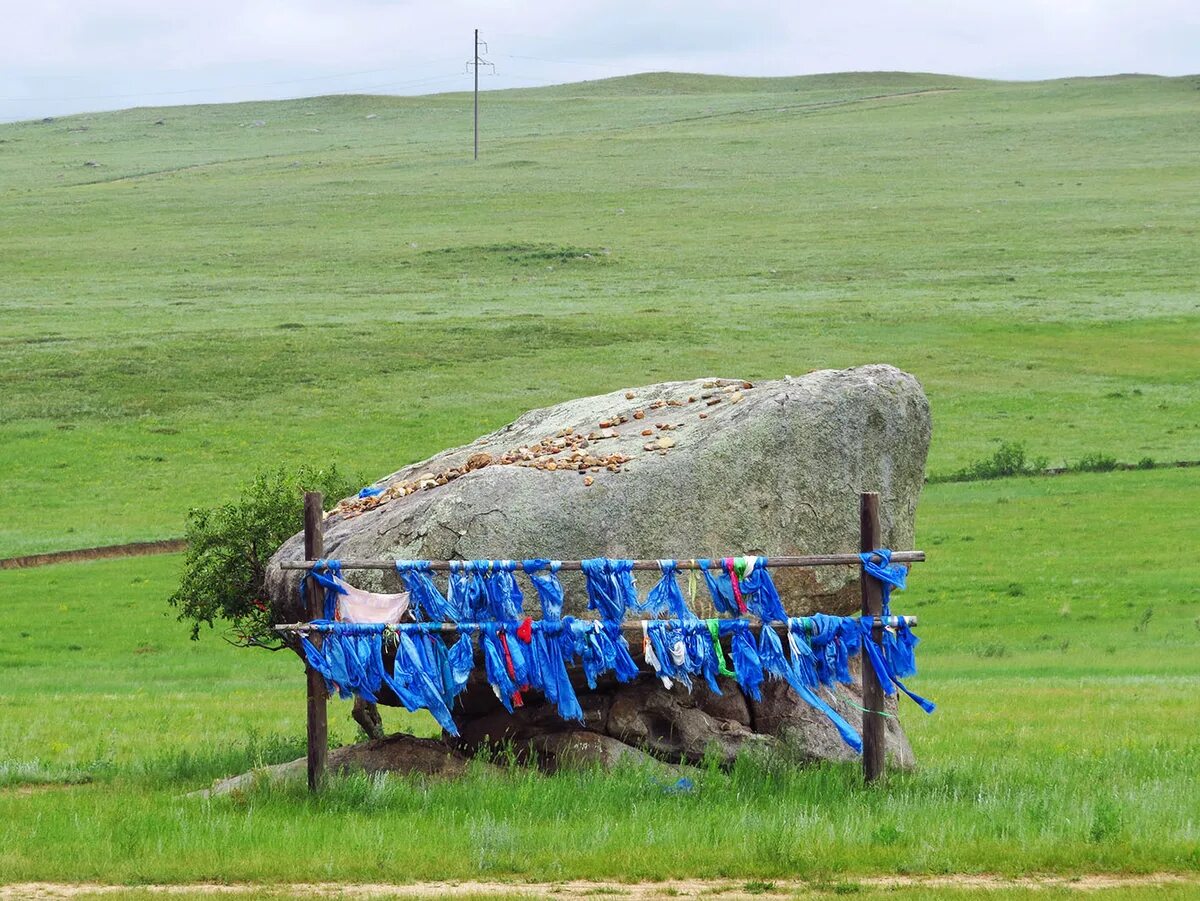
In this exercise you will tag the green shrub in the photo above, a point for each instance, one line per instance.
(1094, 462)
(229, 546)
(1008, 460)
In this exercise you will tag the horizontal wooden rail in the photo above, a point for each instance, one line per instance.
(873, 732)
(576, 565)
(450, 628)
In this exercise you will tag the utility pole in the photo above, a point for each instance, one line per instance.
(476, 67)
(474, 63)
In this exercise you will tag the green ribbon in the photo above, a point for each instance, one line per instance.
(850, 703)
(715, 631)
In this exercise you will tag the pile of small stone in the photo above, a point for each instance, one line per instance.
(566, 451)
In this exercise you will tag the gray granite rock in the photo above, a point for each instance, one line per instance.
(775, 468)
(399, 753)
(776, 471)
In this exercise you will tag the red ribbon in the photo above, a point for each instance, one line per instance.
(525, 630)
(733, 580)
(517, 700)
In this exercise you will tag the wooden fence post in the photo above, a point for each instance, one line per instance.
(874, 738)
(318, 723)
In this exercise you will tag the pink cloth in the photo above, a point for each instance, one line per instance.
(358, 606)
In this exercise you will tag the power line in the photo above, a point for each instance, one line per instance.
(226, 87)
(404, 84)
(567, 62)
(473, 66)
(543, 80)
(529, 37)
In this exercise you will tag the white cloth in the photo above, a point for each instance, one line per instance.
(358, 606)
(651, 657)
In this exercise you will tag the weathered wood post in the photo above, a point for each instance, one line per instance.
(318, 723)
(874, 738)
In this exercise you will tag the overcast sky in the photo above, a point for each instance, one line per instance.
(64, 56)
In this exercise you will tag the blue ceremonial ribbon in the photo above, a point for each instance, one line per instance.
(887, 678)
(332, 588)
(429, 671)
(890, 575)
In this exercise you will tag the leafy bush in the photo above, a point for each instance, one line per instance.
(1008, 460)
(1095, 462)
(229, 546)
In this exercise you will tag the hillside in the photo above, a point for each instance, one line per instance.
(192, 292)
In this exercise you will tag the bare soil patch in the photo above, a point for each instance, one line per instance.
(134, 549)
(683, 888)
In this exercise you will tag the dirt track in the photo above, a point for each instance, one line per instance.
(135, 549)
(684, 888)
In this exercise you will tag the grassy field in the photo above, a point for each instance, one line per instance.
(1061, 745)
(213, 294)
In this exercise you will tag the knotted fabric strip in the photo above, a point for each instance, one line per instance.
(427, 600)
(549, 589)
(327, 573)
(887, 677)
(890, 575)
(666, 595)
(610, 587)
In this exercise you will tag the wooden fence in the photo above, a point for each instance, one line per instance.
(870, 539)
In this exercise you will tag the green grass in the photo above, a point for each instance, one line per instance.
(1070, 751)
(327, 287)
(212, 296)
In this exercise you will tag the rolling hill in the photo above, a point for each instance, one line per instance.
(192, 292)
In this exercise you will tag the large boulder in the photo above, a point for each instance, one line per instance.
(775, 468)
(400, 753)
(710, 467)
